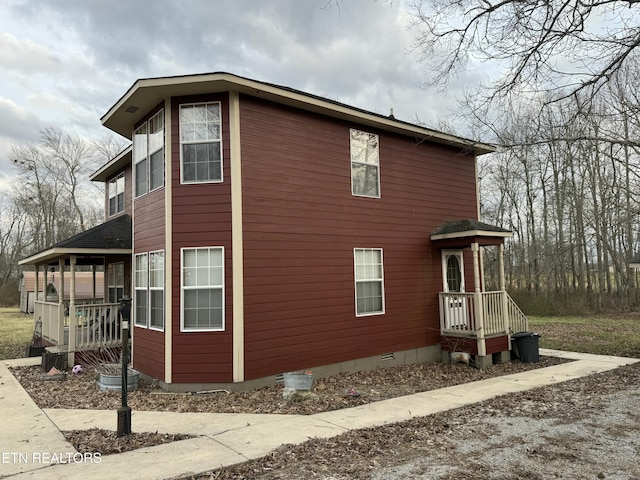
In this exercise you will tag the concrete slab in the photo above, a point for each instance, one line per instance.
(164, 422)
(26, 431)
(163, 461)
(256, 441)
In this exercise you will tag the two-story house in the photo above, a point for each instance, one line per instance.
(260, 229)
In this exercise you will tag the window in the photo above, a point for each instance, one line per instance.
(148, 154)
(203, 289)
(365, 169)
(149, 288)
(369, 279)
(141, 284)
(156, 290)
(116, 194)
(200, 142)
(115, 280)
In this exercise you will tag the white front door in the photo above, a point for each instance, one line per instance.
(455, 306)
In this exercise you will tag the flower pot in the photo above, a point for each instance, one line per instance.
(110, 381)
(297, 380)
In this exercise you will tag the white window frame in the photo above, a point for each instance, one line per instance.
(115, 281)
(145, 284)
(365, 273)
(146, 144)
(369, 143)
(116, 190)
(156, 284)
(210, 285)
(193, 141)
(141, 284)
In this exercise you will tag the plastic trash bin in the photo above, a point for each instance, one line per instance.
(527, 346)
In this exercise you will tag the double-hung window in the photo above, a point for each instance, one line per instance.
(156, 290)
(148, 154)
(141, 287)
(369, 280)
(365, 164)
(115, 281)
(116, 194)
(202, 289)
(149, 290)
(201, 142)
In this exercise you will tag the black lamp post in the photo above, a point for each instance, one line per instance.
(124, 412)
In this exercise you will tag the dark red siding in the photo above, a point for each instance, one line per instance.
(201, 218)
(149, 235)
(301, 224)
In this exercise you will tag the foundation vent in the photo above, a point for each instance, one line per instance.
(388, 356)
(280, 378)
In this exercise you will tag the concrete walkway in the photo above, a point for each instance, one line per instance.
(32, 445)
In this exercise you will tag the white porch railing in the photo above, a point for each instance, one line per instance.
(478, 315)
(84, 326)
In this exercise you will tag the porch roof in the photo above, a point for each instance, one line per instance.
(109, 238)
(467, 229)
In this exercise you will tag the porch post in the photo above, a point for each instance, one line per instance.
(35, 294)
(503, 290)
(477, 297)
(73, 319)
(61, 304)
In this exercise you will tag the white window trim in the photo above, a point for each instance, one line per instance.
(356, 281)
(113, 185)
(111, 267)
(198, 182)
(182, 290)
(162, 289)
(351, 162)
(146, 124)
(137, 288)
(150, 152)
(148, 289)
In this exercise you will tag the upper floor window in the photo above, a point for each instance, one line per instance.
(365, 168)
(148, 154)
(201, 142)
(116, 194)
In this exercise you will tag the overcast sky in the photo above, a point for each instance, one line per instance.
(63, 63)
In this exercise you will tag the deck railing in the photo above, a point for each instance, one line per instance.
(479, 314)
(93, 325)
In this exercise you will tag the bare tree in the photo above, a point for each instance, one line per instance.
(565, 45)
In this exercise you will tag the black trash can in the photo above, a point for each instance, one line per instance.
(527, 349)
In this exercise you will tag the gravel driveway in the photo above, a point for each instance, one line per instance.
(582, 429)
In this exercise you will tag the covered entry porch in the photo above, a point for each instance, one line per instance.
(475, 320)
(68, 324)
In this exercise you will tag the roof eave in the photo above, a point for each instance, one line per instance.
(59, 252)
(145, 94)
(117, 164)
(471, 233)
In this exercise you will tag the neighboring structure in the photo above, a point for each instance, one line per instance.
(273, 230)
(86, 289)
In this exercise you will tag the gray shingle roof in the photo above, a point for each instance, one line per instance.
(467, 225)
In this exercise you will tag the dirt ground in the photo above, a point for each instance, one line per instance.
(583, 429)
(588, 428)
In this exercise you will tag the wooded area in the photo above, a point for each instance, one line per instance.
(50, 200)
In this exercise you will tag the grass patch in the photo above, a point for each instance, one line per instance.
(16, 331)
(601, 335)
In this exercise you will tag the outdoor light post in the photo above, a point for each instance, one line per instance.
(124, 412)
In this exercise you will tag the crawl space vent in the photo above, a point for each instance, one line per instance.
(387, 356)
